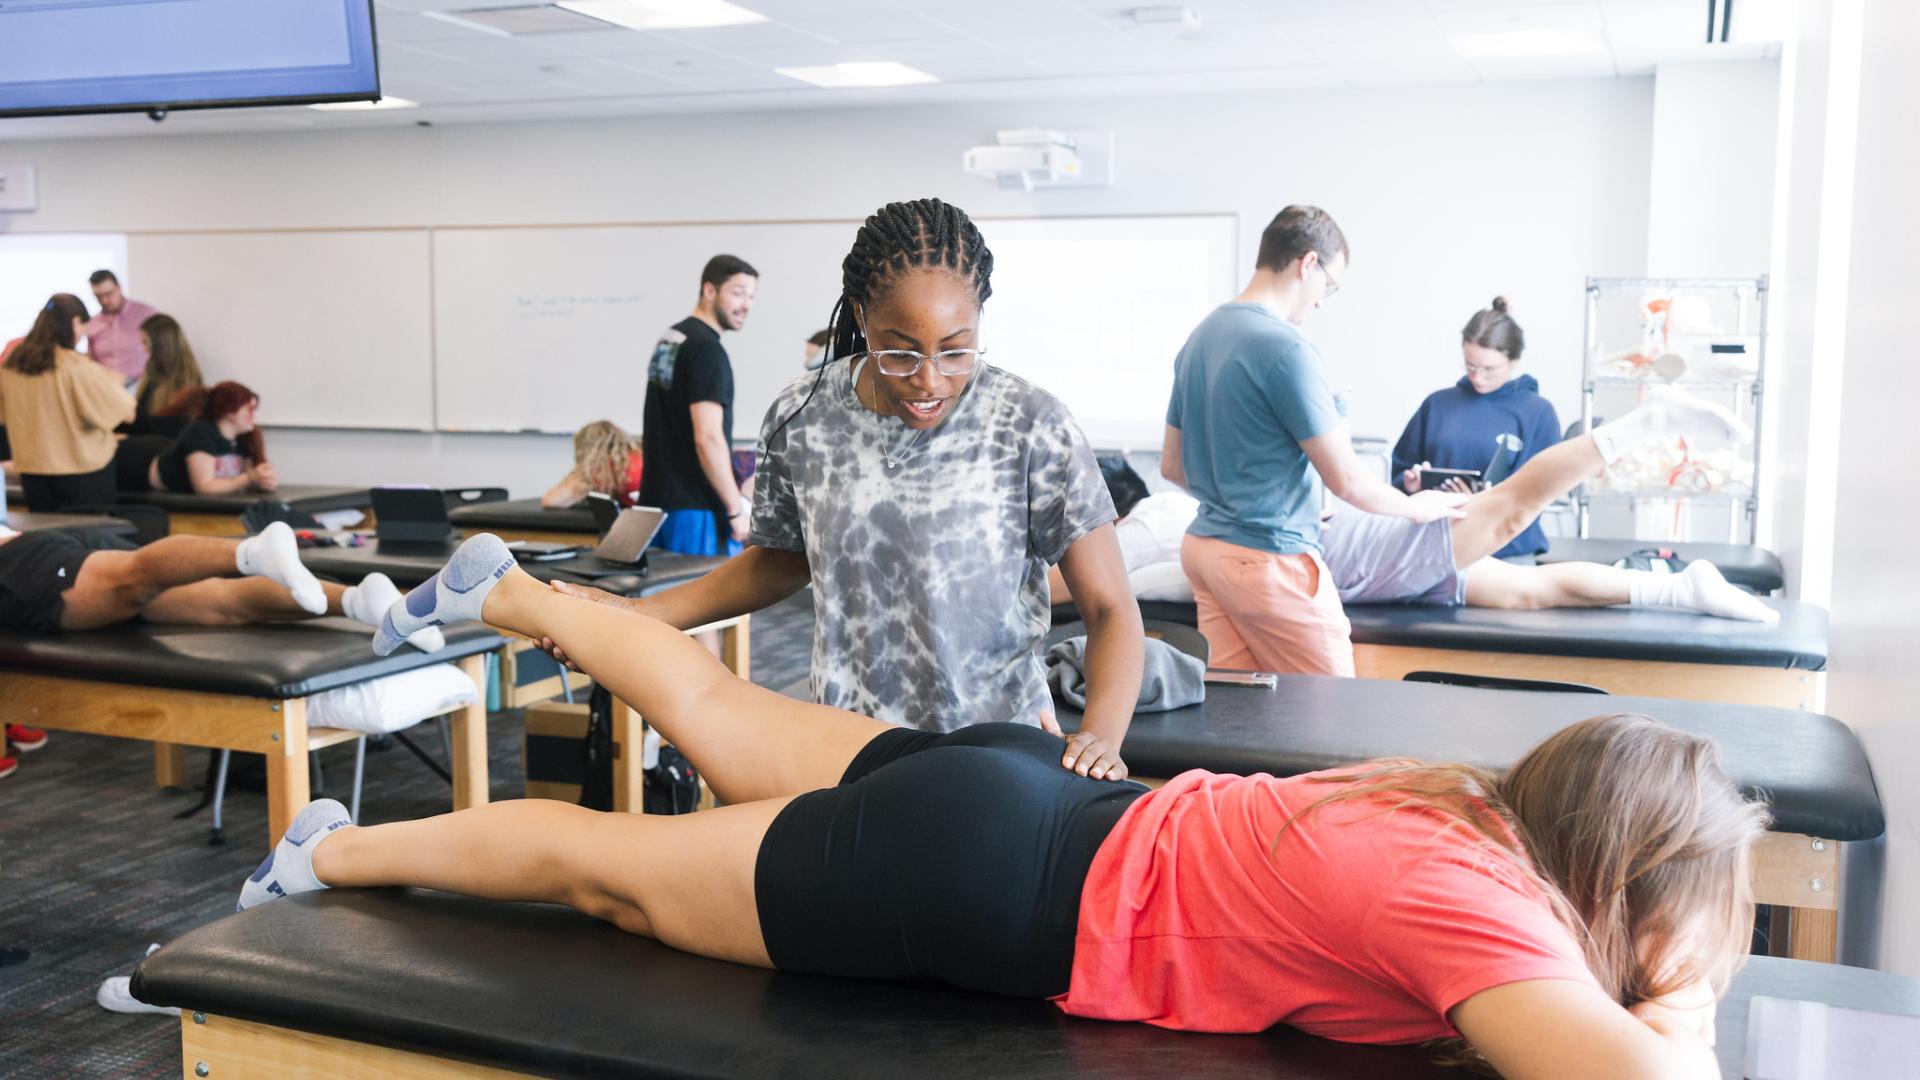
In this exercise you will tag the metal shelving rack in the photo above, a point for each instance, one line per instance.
(1750, 301)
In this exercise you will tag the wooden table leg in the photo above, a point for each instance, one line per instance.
(629, 774)
(736, 649)
(169, 765)
(1801, 875)
(288, 787)
(470, 741)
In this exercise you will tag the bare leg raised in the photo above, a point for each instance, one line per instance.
(1503, 511)
(750, 743)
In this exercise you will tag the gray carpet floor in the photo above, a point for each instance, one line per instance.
(94, 867)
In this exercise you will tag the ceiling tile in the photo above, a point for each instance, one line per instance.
(1030, 18)
(621, 42)
(1582, 18)
(1545, 67)
(1398, 73)
(1442, 7)
(1321, 9)
(882, 26)
(767, 35)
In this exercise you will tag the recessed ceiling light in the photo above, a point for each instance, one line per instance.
(1179, 18)
(864, 73)
(663, 14)
(1524, 43)
(354, 106)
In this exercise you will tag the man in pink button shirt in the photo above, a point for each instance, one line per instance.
(113, 337)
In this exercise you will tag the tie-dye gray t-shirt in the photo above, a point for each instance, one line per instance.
(929, 576)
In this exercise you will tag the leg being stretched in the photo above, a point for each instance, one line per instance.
(114, 586)
(1495, 584)
(749, 743)
(1502, 512)
(686, 880)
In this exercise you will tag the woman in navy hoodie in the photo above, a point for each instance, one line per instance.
(1456, 427)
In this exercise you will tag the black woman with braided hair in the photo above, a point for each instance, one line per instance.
(923, 493)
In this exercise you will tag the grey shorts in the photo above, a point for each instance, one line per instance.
(1387, 560)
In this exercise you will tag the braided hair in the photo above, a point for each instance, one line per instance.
(898, 237)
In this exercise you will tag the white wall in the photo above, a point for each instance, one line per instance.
(1876, 576)
(1710, 207)
(1447, 194)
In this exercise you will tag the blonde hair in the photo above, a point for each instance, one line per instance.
(600, 453)
(1638, 838)
(171, 367)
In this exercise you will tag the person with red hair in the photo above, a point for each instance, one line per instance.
(220, 452)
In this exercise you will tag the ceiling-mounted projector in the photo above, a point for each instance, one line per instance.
(1030, 158)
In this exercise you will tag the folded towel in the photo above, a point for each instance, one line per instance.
(1169, 680)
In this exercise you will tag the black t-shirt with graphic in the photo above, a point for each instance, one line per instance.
(203, 438)
(688, 365)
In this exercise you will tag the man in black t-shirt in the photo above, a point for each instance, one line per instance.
(687, 441)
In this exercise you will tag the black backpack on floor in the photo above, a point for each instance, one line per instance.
(670, 787)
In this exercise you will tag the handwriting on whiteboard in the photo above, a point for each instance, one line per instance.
(566, 305)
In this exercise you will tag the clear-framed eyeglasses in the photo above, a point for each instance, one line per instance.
(905, 363)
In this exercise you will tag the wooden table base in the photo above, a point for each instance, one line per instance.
(276, 728)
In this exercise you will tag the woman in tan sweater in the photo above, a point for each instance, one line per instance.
(60, 409)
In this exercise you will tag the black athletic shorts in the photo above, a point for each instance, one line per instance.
(36, 570)
(956, 857)
(52, 494)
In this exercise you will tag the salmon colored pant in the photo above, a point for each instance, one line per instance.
(1266, 612)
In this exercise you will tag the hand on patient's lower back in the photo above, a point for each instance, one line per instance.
(1436, 506)
(1090, 755)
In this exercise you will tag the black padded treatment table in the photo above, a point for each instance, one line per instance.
(1811, 769)
(28, 521)
(1647, 651)
(527, 674)
(219, 515)
(398, 983)
(525, 519)
(1743, 564)
(410, 564)
(231, 688)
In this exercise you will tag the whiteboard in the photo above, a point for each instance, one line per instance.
(34, 266)
(1095, 309)
(330, 328)
(546, 329)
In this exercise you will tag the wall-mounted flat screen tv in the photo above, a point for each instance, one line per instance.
(86, 56)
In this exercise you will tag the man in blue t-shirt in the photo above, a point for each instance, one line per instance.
(1250, 422)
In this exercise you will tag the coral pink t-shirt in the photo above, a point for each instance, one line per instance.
(1366, 925)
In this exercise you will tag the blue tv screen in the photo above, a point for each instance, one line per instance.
(83, 56)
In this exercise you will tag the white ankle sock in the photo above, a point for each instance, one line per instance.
(275, 555)
(288, 868)
(456, 594)
(1698, 588)
(1666, 414)
(368, 602)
